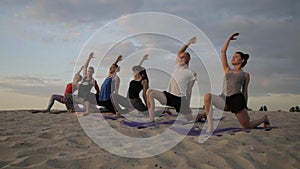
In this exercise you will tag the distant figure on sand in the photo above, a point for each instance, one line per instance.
(109, 86)
(139, 83)
(85, 86)
(67, 98)
(178, 94)
(234, 96)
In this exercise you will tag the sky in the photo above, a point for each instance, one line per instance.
(43, 42)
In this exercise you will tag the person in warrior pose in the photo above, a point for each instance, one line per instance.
(85, 86)
(234, 96)
(67, 98)
(109, 86)
(179, 92)
(139, 83)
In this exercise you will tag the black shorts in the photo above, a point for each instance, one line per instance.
(90, 97)
(234, 103)
(179, 103)
(138, 104)
(107, 104)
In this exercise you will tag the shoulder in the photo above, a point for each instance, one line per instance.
(116, 77)
(247, 75)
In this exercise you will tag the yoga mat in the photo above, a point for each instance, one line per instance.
(141, 125)
(195, 131)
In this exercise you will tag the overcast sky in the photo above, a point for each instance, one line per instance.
(43, 42)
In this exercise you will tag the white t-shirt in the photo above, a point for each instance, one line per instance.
(181, 76)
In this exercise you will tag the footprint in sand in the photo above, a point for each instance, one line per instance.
(47, 135)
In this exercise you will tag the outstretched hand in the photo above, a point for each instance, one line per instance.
(192, 40)
(233, 36)
(91, 55)
(119, 58)
(145, 57)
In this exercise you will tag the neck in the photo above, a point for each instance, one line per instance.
(111, 74)
(137, 78)
(237, 67)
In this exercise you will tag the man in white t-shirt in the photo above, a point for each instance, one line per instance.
(179, 92)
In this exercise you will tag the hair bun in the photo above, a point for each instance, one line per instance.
(246, 56)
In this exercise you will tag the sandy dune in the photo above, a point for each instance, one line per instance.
(47, 140)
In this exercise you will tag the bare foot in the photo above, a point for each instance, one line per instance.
(200, 117)
(209, 130)
(118, 115)
(266, 122)
(78, 114)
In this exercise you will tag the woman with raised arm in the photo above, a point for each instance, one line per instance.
(85, 86)
(109, 86)
(67, 98)
(234, 95)
(140, 82)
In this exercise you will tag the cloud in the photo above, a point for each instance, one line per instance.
(269, 32)
(32, 85)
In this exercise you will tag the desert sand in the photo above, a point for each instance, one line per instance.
(47, 140)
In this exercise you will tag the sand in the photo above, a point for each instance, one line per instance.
(46, 140)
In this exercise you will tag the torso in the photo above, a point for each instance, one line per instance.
(107, 88)
(181, 76)
(85, 86)
(233, 82)
(135, 87)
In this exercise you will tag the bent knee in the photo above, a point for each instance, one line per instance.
(207, 97)
(149, 92)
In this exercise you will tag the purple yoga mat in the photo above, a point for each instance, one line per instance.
(195, 131)
(141, 125)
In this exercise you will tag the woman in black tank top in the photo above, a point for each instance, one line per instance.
(138, 84)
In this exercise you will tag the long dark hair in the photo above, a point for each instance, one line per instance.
(142, 72)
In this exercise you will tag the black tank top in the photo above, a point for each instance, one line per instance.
(135, 88)
(85, 87)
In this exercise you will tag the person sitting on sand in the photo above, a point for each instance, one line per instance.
(110, 85)
(235, 91)
(139, 83)
(85, 86)
(179, 91)
(67, 98)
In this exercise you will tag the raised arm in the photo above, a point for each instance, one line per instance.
(145, 57)
(79, 71)
(86, 64)
(185, 46)
(119, 58)
(224, 50)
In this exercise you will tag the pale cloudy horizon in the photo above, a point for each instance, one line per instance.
(42, 40)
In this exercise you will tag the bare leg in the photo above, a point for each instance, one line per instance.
(87, 109)
(158, 95)
(209, 100)
(245, 121)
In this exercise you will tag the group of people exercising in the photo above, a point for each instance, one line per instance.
(233, 98)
